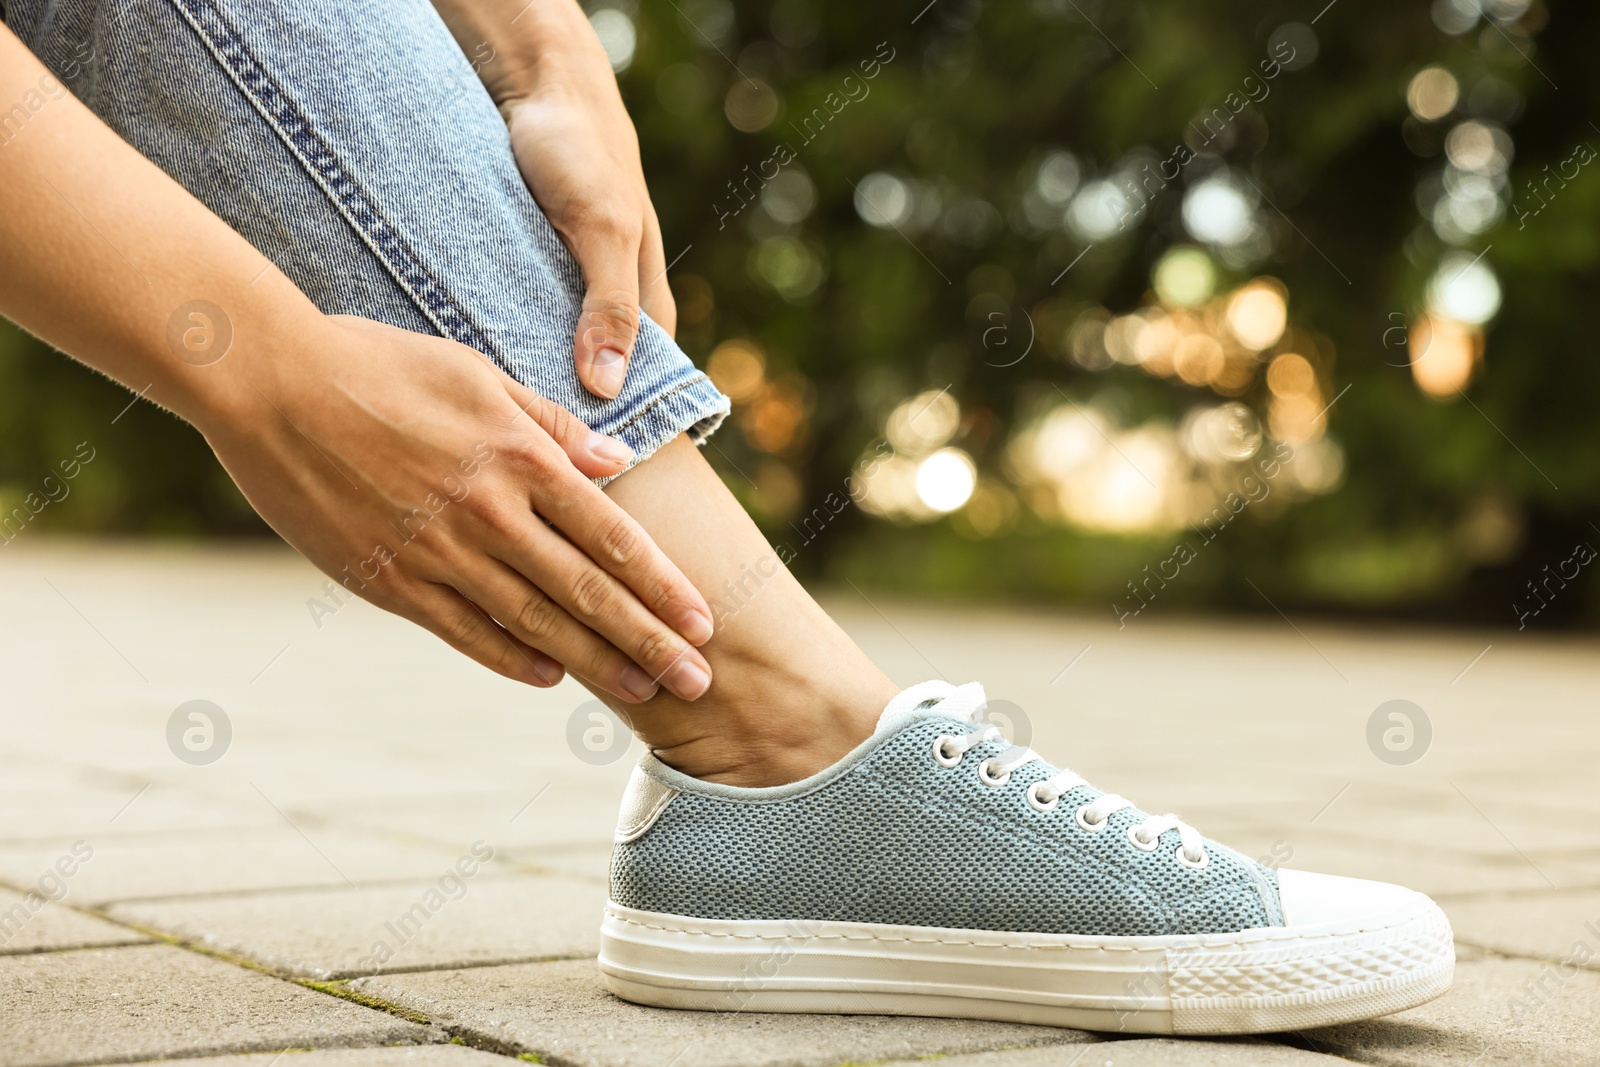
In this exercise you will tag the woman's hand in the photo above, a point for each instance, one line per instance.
(406, 466)
(423, 479)
(577, 150)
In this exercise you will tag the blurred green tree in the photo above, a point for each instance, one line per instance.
(1027, 298)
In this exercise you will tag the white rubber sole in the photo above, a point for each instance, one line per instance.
(1256, 981)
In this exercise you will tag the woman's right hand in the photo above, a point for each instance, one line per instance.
(422, 478)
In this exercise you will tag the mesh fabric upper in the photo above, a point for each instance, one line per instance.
(899, 839)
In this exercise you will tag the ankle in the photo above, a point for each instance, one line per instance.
(777, 737)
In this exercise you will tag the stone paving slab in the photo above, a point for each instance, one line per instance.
(1463, 817)
(345, 933)
(1563, 926)
(172, 864)
(1434, 816)
(1283, 708)
(120, 1004)
(1515, 1013)
(1433, 871)
(574, 805)
(387, 749)
(30, 922)
(98, 810)
(561, 1012)
(590, 861)
(405, 1056)
(1145, 1052)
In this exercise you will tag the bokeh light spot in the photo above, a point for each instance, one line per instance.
(1464, 289)
(738, 368)
(923, 422)
(945, 480)
(750, 105)
(1257, 314)
(1185, 277)
(617, 36)
(1432, 94)
(883, 200)
(1218, 213)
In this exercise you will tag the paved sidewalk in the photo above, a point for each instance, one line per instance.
(399, 859)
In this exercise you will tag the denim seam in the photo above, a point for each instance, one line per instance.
(352, 201)
(658, 398)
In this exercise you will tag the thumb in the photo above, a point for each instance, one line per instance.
(609, 322)
(594, 454)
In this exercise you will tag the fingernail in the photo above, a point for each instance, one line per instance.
(695, 626)
(606, 372)
(689, 681)
(636, 683)
(549, 673)
(609, 449)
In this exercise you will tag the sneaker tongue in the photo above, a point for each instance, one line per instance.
(936, 697)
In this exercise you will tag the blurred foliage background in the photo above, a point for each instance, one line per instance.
(1137, 306)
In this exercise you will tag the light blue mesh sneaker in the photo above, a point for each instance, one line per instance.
(938, 870)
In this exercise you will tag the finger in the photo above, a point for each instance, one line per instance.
(655, 295)
(595, 454)
(608, 253)
(604, 606)
(539, 621)
(465, 628)
(615, 541)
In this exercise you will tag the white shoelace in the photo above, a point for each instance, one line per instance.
(968, 702)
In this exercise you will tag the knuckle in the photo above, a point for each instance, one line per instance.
(532, 459)
(559, 423)
(538, 618)
(506, 660)
(616, 314)
(604, 662)
(522, 450)
(386, 594)
(387, 587)
(658, 596)
(467, 629)
(498, 515)
(658, 650)
(387, 591)
(621, 540)
(591, 593)
(537, 405)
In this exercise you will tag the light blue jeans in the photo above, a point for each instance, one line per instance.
(352, 143)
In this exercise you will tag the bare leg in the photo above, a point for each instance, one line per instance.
(791, 692)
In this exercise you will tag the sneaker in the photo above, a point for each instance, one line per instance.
(939, 870)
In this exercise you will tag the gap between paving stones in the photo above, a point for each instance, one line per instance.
(451, 1033)
(332, 989)
(469, 1036)
(506, 854)
(1472, 895)
(339, 987)
(512, 867)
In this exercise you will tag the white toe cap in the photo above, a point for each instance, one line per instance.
(1319, 899)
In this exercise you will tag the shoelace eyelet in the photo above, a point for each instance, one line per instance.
(989, 778)
(1194, 865)
(941, 757)
(1092, 827)
(1140, 844)
(1037, 802)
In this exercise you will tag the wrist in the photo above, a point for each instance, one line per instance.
(227, 390)
(551, 45)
